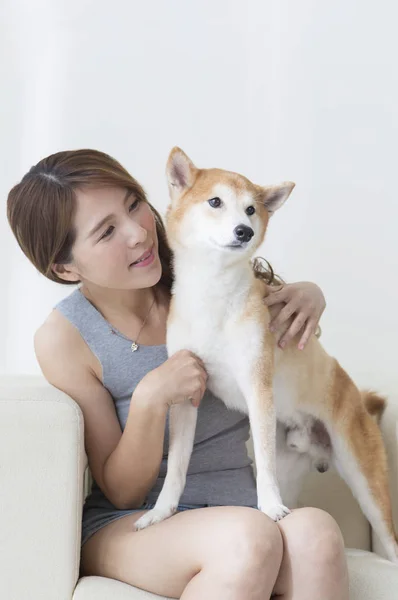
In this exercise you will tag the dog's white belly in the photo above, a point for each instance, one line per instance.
(221, 367)
(295, 399)
(285, 400)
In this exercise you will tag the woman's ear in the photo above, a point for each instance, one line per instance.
(66, 272)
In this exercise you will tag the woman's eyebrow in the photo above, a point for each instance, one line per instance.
(100, 224)
(108, 217)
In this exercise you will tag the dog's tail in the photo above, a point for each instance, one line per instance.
(375, 404)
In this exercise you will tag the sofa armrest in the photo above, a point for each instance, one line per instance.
(389, 427)
(42, 463)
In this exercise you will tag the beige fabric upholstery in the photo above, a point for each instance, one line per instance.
(100, 588)
(42, 466)
(42, 462)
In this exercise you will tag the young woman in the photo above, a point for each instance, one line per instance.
(82, 219)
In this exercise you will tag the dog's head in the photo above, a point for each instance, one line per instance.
(216, 210)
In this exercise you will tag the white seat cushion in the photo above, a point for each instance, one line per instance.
(371, 578)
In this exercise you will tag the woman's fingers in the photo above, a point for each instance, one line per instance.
(309, 330)
(293, 330)
(284, 314)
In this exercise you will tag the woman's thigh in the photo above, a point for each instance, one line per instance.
(164, 557)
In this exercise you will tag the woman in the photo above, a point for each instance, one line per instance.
(81, 218)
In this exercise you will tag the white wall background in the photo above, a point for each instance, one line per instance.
(306, 91)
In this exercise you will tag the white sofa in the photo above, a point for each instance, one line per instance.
(42, 481)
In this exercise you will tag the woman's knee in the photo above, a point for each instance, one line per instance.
(314, 533)
(250, 542)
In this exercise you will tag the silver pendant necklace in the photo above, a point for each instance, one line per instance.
(134, 344)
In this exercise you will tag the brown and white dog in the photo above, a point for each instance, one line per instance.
(215, 222)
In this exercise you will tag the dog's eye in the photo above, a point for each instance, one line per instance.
(250, 210)
(215, 202)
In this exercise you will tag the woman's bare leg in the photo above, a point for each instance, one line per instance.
(228, 553)
(314, 564)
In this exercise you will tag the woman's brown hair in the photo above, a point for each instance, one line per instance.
(40, 208)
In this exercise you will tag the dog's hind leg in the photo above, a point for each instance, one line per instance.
(369, 485)
(361, 460)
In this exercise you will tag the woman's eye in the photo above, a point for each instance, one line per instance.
(215, 202)
(250, 210)
(134, 205)
(107, 232)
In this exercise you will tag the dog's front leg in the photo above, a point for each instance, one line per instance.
(182, 426)
(263, 427)
(256, 385)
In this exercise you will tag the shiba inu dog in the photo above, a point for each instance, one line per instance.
(215, 222)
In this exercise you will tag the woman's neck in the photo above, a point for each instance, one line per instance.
(125, 305)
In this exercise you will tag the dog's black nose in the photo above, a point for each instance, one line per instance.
(243, 233)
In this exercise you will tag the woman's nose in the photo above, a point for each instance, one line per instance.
(135, 234)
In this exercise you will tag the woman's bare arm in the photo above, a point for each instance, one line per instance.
(125, 465)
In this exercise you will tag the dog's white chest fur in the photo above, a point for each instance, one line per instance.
(215, 337)
(209, 323)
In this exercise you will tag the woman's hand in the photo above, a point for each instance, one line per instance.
(181, 377)
(301, 307)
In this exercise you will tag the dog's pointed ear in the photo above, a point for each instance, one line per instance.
(274, 196)
(181, 173)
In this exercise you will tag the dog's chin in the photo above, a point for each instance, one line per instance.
(233, 247)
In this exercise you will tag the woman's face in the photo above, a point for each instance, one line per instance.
(114, 230)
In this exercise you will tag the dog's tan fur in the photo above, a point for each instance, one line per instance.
(375, 404)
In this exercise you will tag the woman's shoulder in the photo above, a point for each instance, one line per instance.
(57, 331)
(67, 364)
(57, 343)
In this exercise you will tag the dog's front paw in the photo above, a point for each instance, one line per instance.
(276, 512)
(156, 515)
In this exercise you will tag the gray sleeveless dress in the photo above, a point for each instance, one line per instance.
(220, 471)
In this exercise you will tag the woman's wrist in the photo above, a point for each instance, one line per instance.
(149, 401)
